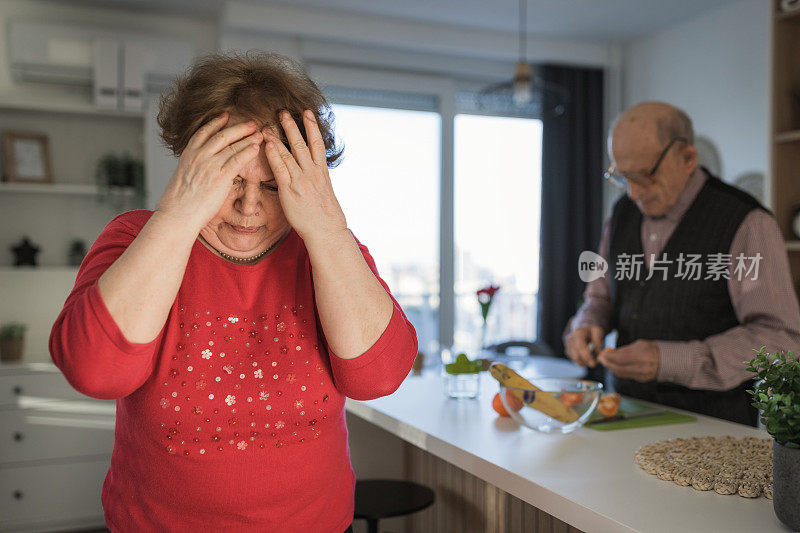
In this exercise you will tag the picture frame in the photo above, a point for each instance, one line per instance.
(27, 157)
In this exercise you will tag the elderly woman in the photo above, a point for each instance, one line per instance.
(231, 322)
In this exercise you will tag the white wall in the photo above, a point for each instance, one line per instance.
(716, 68)
(76, 141)
(34, 298)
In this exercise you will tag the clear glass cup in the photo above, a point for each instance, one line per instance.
(459, 386)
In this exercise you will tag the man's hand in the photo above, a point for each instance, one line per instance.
(638, 360)
(577, 345)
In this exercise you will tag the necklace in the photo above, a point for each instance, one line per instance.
(246, 259)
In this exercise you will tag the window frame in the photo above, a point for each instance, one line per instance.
(445, 90)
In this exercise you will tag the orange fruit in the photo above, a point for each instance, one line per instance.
(514, 403)
(497, 405)
(613, 397)
(571, 399)
(607, 408)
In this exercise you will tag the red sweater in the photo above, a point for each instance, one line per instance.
(233, 418)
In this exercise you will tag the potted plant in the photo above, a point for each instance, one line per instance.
(120, 181)
(77, 251)
(12, 339)
(777, 395)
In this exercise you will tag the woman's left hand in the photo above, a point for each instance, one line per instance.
(304, 185)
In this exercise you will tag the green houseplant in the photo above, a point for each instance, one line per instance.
(12, 339)
(120, 181)
(777, 395)
(77, 251)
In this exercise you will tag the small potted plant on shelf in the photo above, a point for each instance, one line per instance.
(777, 395)
(77, 251)
(12, 339)
(120, 181)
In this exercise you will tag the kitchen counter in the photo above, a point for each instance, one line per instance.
(587, 479)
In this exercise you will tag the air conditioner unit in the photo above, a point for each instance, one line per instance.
(49, 52)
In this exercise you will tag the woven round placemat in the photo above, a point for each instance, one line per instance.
(726, 465)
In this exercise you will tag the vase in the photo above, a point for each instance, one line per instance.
(11, 350)
(786, 484)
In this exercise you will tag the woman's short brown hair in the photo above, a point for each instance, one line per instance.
(254, 85)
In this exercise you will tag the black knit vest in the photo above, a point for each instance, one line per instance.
(676, 309)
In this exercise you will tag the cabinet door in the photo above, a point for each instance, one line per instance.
(64, 431)
(51, 495)
(17, 389)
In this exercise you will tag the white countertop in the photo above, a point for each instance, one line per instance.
(587, 478)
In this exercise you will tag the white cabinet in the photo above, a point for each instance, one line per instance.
(55, 450)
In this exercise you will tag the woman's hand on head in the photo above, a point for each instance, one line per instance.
(304, 185)
(208, 165)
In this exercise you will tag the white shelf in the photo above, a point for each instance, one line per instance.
(788, 15)
(74, 107)
(787, 136)
(10, 270)
(60, 188)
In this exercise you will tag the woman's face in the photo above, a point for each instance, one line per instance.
(251, 219)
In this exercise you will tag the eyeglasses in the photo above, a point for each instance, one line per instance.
(622, 179)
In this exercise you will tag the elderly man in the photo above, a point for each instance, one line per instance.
(698, 276)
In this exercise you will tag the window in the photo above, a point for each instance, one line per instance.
(388, 187)
(390, 184)
(497, 214)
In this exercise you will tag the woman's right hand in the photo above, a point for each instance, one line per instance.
(208, 165)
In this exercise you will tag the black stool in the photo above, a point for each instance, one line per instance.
(386, 498)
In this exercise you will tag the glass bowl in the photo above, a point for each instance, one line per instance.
(581, 395)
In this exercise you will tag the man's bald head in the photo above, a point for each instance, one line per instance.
(635, 140)
(657, 120)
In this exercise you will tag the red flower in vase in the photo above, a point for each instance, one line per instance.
(487, 293)
(485, 297)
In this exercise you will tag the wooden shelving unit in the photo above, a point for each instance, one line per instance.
(60, 188)
(785, 16)
(787, 137)
(785, 146)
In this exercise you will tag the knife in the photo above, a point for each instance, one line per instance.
(628, 416)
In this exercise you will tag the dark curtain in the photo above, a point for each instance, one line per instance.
(572, 192)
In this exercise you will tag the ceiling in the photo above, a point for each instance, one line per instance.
(582, 19)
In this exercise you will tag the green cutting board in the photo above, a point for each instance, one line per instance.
(631, 406)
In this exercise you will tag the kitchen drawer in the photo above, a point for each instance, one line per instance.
(51, 494)
(66, 430)
(37, 385)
